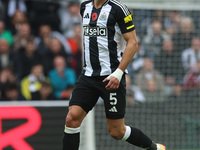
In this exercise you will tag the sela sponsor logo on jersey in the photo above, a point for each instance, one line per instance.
(94, 31)
(103, 17)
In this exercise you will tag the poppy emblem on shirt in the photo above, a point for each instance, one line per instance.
(94, 16)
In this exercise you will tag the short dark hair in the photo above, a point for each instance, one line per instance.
(46, 84)
(71, 3)
(11, 86)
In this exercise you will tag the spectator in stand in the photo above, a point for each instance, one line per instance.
(150, 81)
(153, 41)
(45, 36)
(43, 41)
(1, 12)
(195, 15)
(23, 36)
(33, 82)
(12, 92)
(76, 41)
(14, 5)
(5, 34)
(172, 22)
(137, 61)
(6, 56)
(66, 94)
(191, 82)
(76, 47)
(61, 77)
(43, 12)
(152, 92)
(1, 93)
(191, 55)
(9, 7)
(183, 38)
(69, 16)
(26, 58)
(17, 19)
(145, 20)
(177, 94)
(133, 93)
(55, 48)
(169, 64)
(6, 76)
(129, 92)
(45, 93)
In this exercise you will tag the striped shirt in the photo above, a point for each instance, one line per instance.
(102, 36)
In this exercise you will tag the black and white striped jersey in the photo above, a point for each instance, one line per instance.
(102, 36)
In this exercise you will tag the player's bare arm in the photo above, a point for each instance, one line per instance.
(128, 54)
(130, 50)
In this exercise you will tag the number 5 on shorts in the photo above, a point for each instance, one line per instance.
(113, 99)
(113, 102)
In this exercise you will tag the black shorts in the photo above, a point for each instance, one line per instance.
(87, 91)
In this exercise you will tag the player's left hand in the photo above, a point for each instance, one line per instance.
(115, 79)
(113, 84)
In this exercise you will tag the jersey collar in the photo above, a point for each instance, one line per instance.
(106, 2)
(103, 4)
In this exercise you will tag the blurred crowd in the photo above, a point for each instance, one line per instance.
(40, 49)
(41, 52)
(167, 64)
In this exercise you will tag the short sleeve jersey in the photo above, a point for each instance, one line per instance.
(102, 36)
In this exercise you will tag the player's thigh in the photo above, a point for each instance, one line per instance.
(84, 94)
(115, 101)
